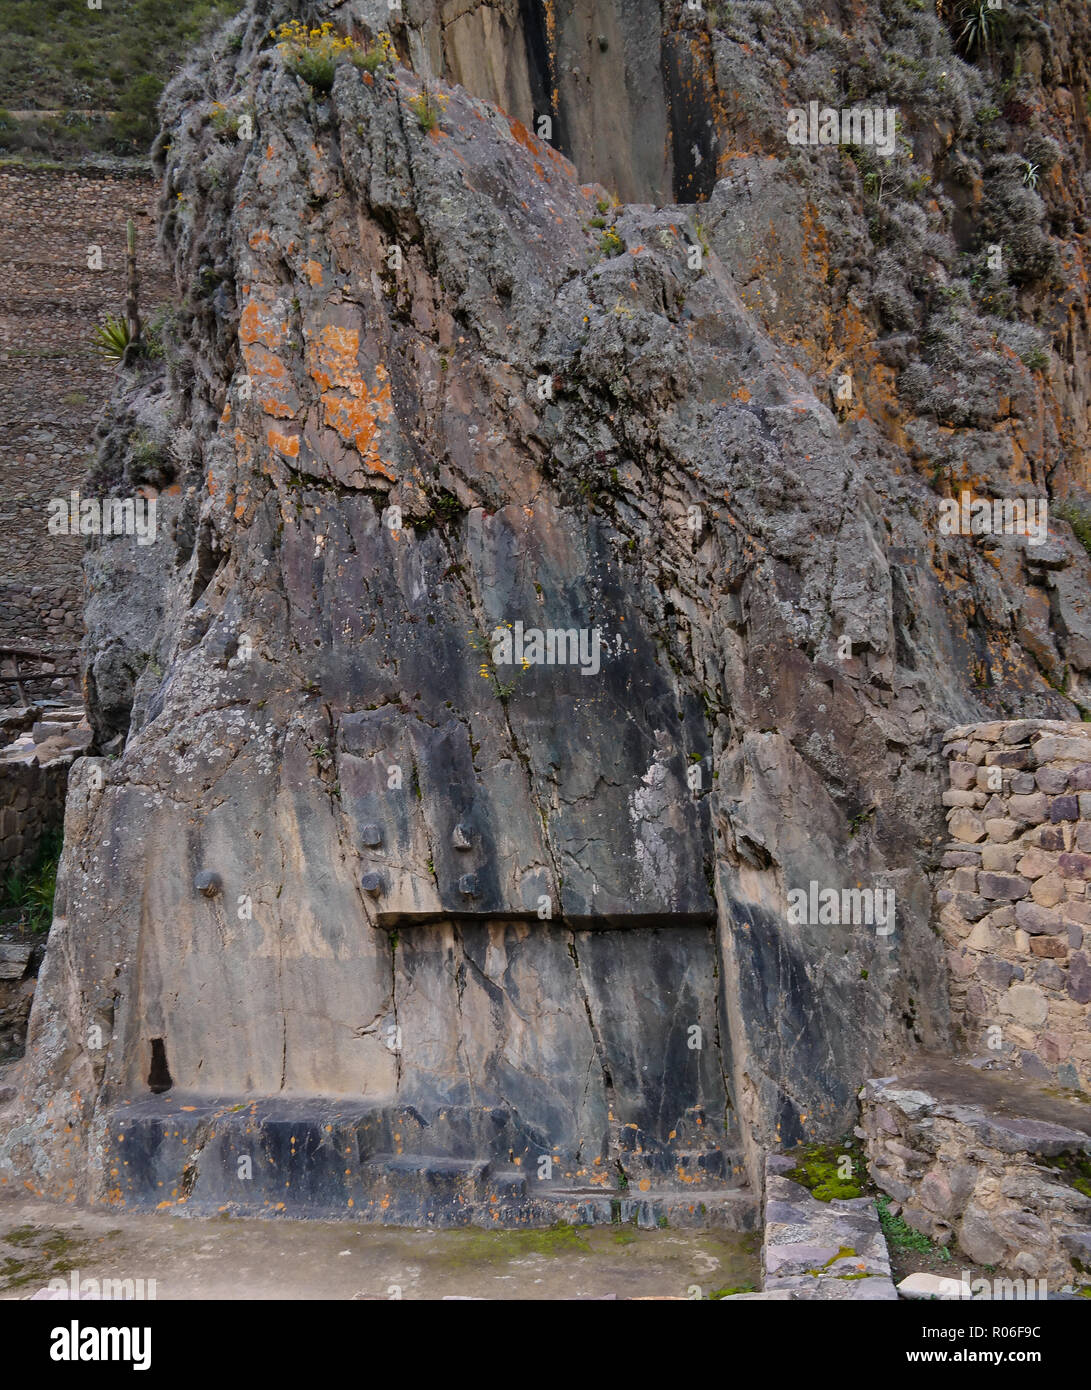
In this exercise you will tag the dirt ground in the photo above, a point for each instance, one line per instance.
(226, 1258)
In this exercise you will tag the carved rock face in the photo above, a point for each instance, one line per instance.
(529, 631)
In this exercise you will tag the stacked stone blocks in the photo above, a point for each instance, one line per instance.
(31, 804)
(1015, 910)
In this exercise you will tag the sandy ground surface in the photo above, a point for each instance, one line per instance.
(226, 1258)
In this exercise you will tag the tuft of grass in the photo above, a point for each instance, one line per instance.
(31, 892)
(381, 54)
(902, 1236)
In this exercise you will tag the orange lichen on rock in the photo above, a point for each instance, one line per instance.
(243, 451)
(286, 444)
(355, 418)
(355, 410)
(332, 358)
(257, 325)
(274, 389)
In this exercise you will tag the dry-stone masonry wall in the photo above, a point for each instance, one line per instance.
(52, 382)
(31, 803)
(984, 1162)
(1015, 911)
(34, 776)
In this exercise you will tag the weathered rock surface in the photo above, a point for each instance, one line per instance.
(424, 395)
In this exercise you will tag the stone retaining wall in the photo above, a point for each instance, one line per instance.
(31, 804)
(1015, 911)
(979, 1179)
(52, 380)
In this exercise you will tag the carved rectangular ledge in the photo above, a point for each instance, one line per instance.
(607, 921)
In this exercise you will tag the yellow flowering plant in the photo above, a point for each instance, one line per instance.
(313, 54)
(381, 54)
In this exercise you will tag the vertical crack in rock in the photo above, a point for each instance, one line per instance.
(611, 1136)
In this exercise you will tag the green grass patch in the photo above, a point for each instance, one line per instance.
(902, 1236)
(470, 1246)
(31, 891)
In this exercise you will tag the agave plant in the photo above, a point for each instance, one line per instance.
(112, 338)
(979, 20)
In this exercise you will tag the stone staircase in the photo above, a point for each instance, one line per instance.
(388, 1165)
(816, 1250)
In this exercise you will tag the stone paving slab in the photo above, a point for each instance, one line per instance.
(826, 1250)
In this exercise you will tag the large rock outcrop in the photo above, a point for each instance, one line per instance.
(426, 382)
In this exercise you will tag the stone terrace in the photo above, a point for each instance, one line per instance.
(52, 383)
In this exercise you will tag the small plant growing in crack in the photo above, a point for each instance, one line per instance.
(700, 236)
(861, 819)
(610, 244)
(427, 107)
(380, 57)
(487, 669)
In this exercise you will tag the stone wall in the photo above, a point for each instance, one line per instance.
(31, 804)
(985, 1164)
(1015, 912)
(52, 382)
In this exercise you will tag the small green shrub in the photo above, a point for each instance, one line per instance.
(31, 892)
(610, 244)
(427, 109)
(136, 119)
